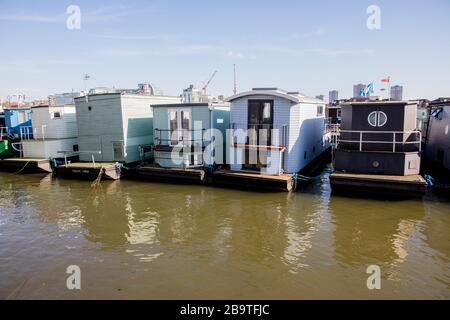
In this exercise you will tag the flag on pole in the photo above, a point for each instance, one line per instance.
(369, 90)
(386, 80)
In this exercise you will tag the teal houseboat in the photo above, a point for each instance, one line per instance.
(188, 139)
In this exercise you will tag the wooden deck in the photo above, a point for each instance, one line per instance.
(411, 185)
(254, 180)
(87, 170)
(26, 165)
(172, 174)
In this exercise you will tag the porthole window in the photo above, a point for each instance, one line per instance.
(377, 118)
(382, 118)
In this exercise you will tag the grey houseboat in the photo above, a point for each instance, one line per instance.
(379, 147)
(274, 135)
(112, 129)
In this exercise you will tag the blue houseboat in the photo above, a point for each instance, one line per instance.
(18, 121)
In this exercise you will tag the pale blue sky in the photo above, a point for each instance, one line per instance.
(309, 46)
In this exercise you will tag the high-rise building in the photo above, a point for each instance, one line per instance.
(357, 88)
(333, 96)
(397, 93)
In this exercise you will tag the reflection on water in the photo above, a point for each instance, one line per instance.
(144, 240)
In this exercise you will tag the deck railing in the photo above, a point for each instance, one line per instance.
(394, 141)
(259, 135)
(188, 140)
(77, 153)
(4, 132)
(26, 133)
(184, 137)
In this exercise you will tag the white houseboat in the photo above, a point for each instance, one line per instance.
(274, 135)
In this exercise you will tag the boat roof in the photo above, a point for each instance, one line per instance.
(295, 97)
(377, 102)
(200, 104)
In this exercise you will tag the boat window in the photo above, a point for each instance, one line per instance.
(319, 110)
(179, 127)
(173, 123)
(373, 119)
(382, 118)
(57, 115)
(185, 125)
(377, 118)
(266, 112)
(21, 116)
(437, 113)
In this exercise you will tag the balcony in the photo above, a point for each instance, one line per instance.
(380, 141)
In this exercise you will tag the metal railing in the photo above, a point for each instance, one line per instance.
(77, 153)
(4, 132)
(184, 137)
(372, 138)
(29, 133)
(26, 133)
(259, 135)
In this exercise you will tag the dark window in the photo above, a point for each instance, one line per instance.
(304, 156)
(440, 156)
(89, 108)
(75, 148)
(260, 121)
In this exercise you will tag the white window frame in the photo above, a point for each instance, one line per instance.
(179, 125)
(57, 111)
(377, 115)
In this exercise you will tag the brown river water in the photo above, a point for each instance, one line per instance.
(141, 240)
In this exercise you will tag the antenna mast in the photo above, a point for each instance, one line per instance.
(235, 86)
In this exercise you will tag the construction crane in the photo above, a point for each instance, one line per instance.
(209, 81)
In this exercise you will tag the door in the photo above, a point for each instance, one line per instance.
(118, 151)
(260, 125)
(179, 127)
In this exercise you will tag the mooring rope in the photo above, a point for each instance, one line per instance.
(97, 181)
(22, 168)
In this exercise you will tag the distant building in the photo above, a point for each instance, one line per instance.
(320, 97)
(192, 95)
(357, 88)
(397, 93)
(333, 96)
(61, 99)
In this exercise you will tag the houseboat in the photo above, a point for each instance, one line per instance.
(188, 139)
(53, 131)
(379, 148)
(113, 130)
(274, 135)
(16, 125)
(18, 121)
(437, 145)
